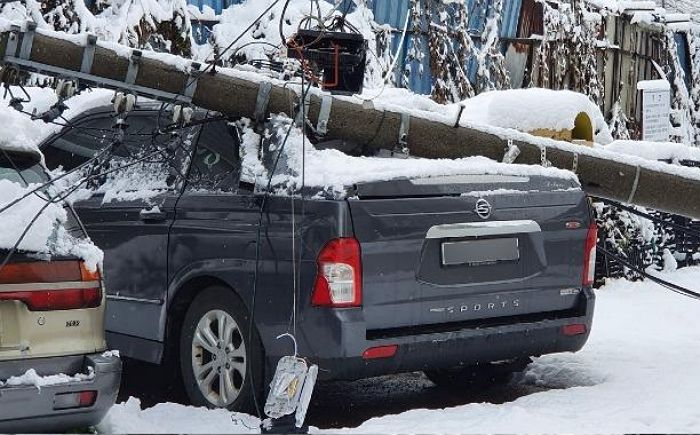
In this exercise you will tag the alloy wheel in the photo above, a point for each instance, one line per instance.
(219, 358)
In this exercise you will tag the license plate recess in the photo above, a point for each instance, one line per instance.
(480, 251)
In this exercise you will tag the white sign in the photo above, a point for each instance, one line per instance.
(656, 109)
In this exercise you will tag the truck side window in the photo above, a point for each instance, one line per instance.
(216, 163)
(92, 135)
(79, 144)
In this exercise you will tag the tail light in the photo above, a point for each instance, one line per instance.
(380, 352)
(81, 399)
(589, 255)
(51, 285)
(339, 276)
(574, 329)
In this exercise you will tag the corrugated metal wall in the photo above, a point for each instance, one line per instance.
(393, 13)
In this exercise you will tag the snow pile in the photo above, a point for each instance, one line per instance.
(655, 150)
(166, 418)
(162, 25)
(48, 233)
(20, 133)
(32, 378)
(637, 374)
(531, 109)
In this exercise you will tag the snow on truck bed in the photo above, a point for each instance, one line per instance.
(334, 171)
(637, 374)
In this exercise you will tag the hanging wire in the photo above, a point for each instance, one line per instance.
(662, 282)
(62, 195)
(258, 237)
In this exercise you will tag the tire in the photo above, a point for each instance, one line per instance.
(217, 374)
(477, 375)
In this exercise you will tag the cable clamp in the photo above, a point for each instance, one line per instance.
(133, 71)
(88, 54)
(543, 157)
(323, 115)
(262, 101)
(635, 184)
(191, 81)
(27, 41)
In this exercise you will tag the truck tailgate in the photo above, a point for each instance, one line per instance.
(429, 258)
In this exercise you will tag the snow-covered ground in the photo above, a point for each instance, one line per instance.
(638, 373)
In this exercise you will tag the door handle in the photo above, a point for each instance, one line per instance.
(152, 215)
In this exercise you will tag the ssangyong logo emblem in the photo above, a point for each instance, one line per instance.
(483, 208)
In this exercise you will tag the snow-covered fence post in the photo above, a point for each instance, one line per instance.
(680, 98)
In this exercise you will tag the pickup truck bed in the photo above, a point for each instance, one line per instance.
(444, 285)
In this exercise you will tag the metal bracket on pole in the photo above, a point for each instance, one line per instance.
(635, 184)
(574, 165)
(401, 149)
(403, 129)
(88, 54)
(324, 114)
(13, 41)
(304, 112)
(133, 71)
(27, 41)
(543, 157)
(192, 78)
(262, 101)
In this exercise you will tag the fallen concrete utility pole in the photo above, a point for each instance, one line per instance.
(653, 186)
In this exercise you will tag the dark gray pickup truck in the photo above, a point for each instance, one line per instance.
(443, 274)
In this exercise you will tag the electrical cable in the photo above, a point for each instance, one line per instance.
(55, 199)
(667, 284)
(396, 58)
(212, 66)
(53, 180)
(633, 210)
(256, 272)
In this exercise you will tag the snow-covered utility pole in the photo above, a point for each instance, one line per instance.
(243, 94)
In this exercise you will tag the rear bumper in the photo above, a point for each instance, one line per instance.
(31, 409)
(338, 350)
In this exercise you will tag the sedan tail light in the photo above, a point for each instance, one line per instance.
(80, 399)
(589, 255)
(51, 285)
(339, 276)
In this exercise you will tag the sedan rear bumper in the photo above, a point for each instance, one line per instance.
(27, 408)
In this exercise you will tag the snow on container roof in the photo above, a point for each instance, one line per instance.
(631, 5)
(531, 109)
(654, 85)
(622, 6)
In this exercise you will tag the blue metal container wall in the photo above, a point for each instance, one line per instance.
(509, 18)
(393, 13)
